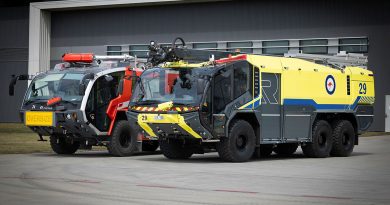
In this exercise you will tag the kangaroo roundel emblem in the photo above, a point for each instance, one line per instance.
(330, 84)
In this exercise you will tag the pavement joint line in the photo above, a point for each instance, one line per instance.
(57, 179)
(244, 192)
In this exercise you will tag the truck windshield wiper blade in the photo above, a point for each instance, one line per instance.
(178, 103)
(68, 101)
(149, 102)
(27, 102)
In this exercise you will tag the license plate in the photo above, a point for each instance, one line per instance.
(39, 118)
(158, 117)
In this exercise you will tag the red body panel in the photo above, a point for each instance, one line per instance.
(120, 103)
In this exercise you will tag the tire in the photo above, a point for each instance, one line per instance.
(60, 146)
(175, 149)
(123, 140)
(286, 149)
(266, 150)
(322, 141)
(343, 138)
(150, 145)
(239, 146)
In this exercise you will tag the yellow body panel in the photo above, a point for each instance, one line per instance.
(165, 106)
(145, 119)
(38, 118)
(301, 79)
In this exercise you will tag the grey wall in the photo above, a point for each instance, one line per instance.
(13, 58)
(90, 30)
(235, 20)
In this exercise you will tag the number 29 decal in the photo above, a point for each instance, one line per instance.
(362, 88)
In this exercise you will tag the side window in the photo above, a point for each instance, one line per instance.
(117, 77)
(241, 79)
(222, 90)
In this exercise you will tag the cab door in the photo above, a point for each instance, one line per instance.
(270, 107)
(99, 98)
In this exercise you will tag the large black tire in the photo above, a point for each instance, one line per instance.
(286, 149)
(150, 145)
(266, 150)
(175, 149)
(322, 140)
(123, 140)
(343, 139)
(239, 146)
(60, 146)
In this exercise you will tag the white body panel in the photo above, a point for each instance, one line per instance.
(89, 89)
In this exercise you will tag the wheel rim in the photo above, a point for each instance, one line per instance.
(345, 138)
(124, 140)
(241, 142)
(322, 139)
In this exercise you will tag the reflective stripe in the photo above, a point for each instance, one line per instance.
(298, 115)
(270, 115)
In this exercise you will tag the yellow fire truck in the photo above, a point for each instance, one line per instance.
(247, 104)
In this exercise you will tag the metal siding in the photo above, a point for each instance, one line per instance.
(235, 20)
(231, 20)
(13, 58)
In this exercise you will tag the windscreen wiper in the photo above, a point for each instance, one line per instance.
(178, 103)
(148, 102)
(68, 101)
(27, 102)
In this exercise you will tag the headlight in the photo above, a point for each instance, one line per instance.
(71, 116)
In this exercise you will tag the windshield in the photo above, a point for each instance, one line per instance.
(181, 86)
(47, 86)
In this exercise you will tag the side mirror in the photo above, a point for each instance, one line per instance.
(11, 90)
(14, 78)
(108, 78)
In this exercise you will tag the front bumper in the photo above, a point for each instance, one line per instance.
(69, 123)
(170, 125)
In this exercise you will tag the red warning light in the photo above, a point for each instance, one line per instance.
(53, 101)
(78, 57)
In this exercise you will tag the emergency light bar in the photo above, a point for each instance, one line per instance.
(78, 57)
(90, 57)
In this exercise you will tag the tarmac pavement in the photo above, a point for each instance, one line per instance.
(98, 178)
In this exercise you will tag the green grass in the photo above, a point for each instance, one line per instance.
(15, 138)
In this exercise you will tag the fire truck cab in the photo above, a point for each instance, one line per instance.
(81, 103)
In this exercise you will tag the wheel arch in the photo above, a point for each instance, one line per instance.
(120, 115)
(250, 117)
(333, 117)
